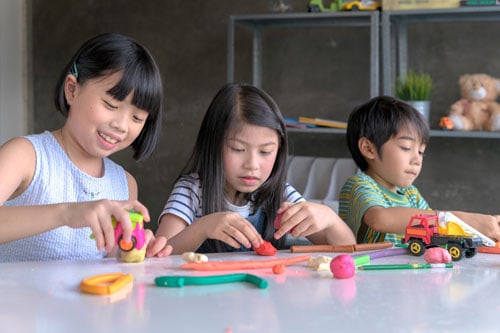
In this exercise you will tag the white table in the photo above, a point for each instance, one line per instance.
(44, 297)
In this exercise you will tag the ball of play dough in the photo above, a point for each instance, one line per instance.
(342, 266)
(279, 269)
(437, 255)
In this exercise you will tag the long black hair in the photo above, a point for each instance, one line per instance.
(233, 106)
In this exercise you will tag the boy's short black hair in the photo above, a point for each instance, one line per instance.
(380, 119)
(109, 53)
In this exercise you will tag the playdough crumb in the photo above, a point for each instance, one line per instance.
(279, 269)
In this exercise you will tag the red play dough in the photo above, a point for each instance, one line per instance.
(266, 249)
(279, 269)
(437, 255)
(342, 266)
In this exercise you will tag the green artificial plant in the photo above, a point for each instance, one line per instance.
(414, 87)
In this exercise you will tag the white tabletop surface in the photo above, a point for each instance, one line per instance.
(45, 297)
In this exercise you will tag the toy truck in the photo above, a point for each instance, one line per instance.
(424, 231)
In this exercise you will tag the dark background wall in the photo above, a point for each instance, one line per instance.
(313, 72)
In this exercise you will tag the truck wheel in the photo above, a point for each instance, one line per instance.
(469, 253)
(456, 252)
(314, 9)
(416, 246)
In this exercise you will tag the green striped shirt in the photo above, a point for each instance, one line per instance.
(361, 192)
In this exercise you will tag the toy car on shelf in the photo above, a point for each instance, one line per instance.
(316, 6)
(362, 5)
(425, 230)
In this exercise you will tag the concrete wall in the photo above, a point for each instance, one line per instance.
(316, 72)
(13, 70)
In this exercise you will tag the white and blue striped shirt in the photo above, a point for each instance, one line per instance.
(185, 202)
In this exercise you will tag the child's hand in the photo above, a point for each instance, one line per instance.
(489, 225)
(157, 246)
(303, 219)
(232, 229)
(97, 215)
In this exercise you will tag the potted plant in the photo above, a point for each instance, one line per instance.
(415, 89)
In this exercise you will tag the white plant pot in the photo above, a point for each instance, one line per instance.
(424, 107)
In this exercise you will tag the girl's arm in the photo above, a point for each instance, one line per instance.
(317, 222)
(228, 227)
(17, 167)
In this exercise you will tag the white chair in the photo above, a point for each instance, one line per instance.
(298, 171)
(318, 179)
(342, 170)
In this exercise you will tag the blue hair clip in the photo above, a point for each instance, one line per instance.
(74, 70)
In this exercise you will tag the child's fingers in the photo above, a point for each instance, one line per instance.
(99, 238)
(108, 232)
(284, 206)
(290, 220)
(121, 215)
(240, 233)
(165, 251)
(136, 206)
(140, 208)
(158, 247)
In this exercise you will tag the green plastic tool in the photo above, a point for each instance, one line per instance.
(176, 281)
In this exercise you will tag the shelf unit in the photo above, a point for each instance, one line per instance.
(394, 34)
(257, 23)
(434, 133)
(388, 29)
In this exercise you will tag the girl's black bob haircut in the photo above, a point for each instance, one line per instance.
(106, 54)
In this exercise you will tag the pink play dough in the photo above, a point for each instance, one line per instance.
(437, 255)
(342, 266)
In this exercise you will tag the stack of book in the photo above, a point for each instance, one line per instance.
(305, 122)
(468, 3)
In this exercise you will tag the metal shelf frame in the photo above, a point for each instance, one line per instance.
(388, 29)
(434, 133)
(257, 23)
(394, 34)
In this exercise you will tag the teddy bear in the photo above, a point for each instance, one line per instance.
(477, 110)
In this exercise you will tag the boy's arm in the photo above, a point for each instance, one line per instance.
(489, 225)
(390, 219)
